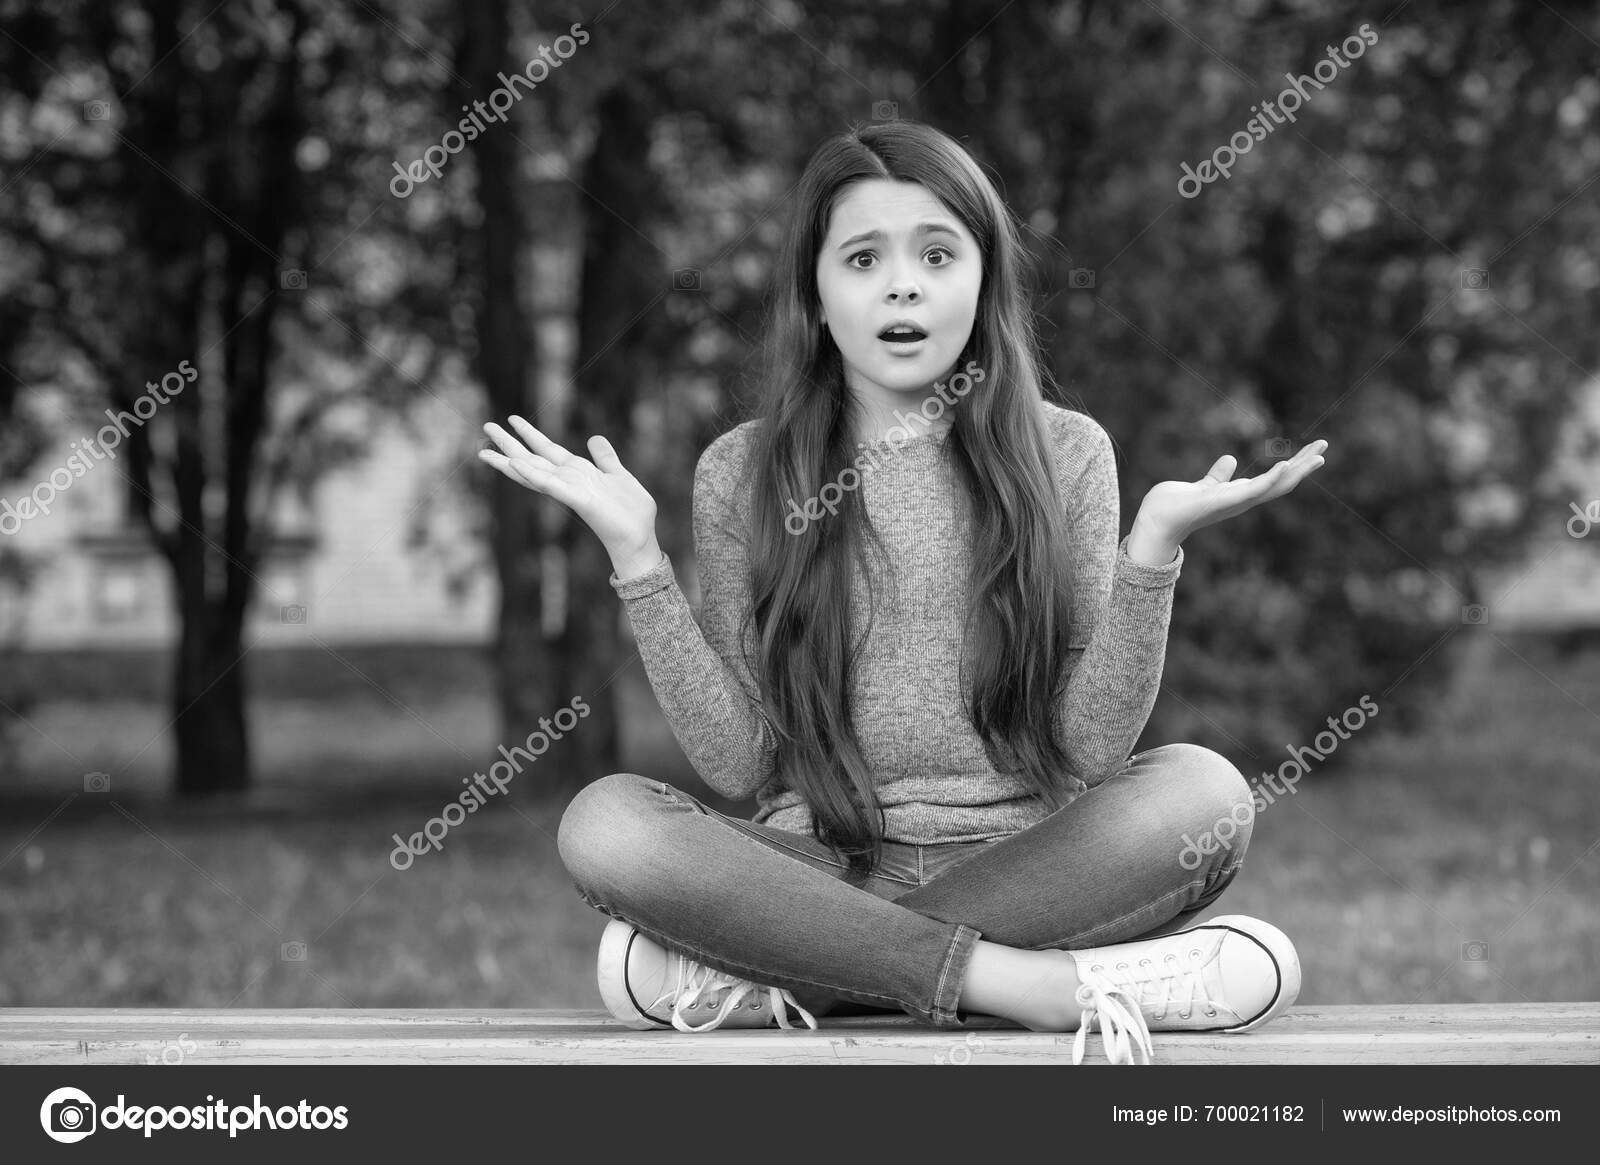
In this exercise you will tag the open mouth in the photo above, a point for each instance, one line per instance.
(902, 334)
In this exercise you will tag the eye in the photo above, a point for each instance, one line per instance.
(945, 251)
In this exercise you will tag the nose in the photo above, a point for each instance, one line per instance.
(904, 291)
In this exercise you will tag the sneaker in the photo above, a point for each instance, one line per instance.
(645, 986)
(1230, 974)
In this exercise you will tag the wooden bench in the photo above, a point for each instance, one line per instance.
(1510, 1033)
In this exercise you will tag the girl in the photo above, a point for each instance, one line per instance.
(949, 821)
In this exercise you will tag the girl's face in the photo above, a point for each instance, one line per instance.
(894, 253)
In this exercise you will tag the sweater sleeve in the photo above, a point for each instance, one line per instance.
(1119, 632)
(700, 679)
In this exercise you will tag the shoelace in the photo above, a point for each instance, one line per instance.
(1105, 984)
(1104, 1002)
(696, 980)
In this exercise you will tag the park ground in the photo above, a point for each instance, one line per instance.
(1460, 864)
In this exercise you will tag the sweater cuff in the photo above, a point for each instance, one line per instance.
(1142, 574)
(658, 577)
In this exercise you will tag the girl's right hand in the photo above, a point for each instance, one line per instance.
(605, 495)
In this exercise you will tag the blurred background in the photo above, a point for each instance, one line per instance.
(266, 267)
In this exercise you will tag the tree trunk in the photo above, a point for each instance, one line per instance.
(505, 361)
(213, 745)
(617, 330)
(253, 185)
(168, 119)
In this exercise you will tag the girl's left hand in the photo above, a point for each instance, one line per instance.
(1176, 509)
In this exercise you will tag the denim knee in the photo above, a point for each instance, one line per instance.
(603, 826)
(1222, 801)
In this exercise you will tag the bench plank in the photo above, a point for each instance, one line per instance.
(1532, 1033)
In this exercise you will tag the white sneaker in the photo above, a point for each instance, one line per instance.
(1230, 974)
(645, 985)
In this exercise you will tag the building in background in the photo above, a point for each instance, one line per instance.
(383, 553)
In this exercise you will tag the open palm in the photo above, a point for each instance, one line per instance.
(1179, 508)
(603, 493)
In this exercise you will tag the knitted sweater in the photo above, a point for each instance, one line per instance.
(932, 775)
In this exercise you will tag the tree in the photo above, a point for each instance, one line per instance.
(505, 359)
(1317, 292)
(171, 232)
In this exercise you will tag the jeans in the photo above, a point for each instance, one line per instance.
(1128, 859)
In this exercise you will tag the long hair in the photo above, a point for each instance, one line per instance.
(1018, 622)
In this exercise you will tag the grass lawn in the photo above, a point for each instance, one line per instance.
(1484, 830)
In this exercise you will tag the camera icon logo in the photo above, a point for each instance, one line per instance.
(97, 111)
(1080, 277)
(182, 1050)
(686, 279)
(1475, 279)
(885, 111)
(1475, 613)
(294, 614)
(97, 782)
(961, 1055)
(67, 1115)
(1476, 951)
(294, 952)
(292, 280)
(1279, 447)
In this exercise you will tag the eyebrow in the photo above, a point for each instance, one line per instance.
(923, 228)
